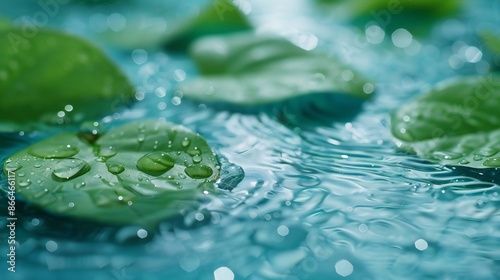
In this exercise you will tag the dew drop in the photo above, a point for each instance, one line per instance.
(445, 155)
(70, 168)
(492, 162)
(198, 171)
(37, 165)
(477, 158)
(194, 152)
(25, 183)
(196, 159)
(185, 142)
(487, 152)
(107, 152)
(12, 166)
(141, 138)
(53, 151)
(79, 185)
(115, 168)
(155, 163)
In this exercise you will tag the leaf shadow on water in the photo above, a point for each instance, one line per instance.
(490, 175)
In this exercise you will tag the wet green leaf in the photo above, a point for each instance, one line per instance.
(221, 16)
(42, 73)
(455, 123)
(492, 42)
(417, 16)
(139, 173)
(246, 69)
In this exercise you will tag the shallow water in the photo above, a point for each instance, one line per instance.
(321, 198)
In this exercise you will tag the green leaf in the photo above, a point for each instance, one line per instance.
(492, 42)
(139, 173)
(417, 16)
(222, 16)
(246, 69)
(455, 123)
(42, 73)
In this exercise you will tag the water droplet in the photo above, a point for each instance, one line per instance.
(24, 183)
(182, 176)
(141, 138)
(37, 165)
(196, 159)
(464, 161)
(12, 166)
(71, 168)
(198, 171)
(185, 142)
(79, 185)
(107, 152)
(53, 151)
(155, 163)
(487, 152)
(492, 162)
(477, 158)
(194, 152)
(115, 168)
(445, 155)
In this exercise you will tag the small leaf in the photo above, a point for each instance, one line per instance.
(417, 16)
(54, 72)
(492, 42)
(246, 69)
(456, 123)
(139, 173)
(222, 16)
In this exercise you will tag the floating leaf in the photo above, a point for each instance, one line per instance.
(53, 72)
(246, 69)
(151, 30)
(492, 41)
(456, 123)
(417, 16)
(139, 173)
(222, 16)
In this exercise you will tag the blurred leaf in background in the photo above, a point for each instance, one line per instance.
(56, 78)
(247, 69)
(146, 31)
(492, 42)
(417, 16)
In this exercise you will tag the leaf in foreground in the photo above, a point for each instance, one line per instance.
(55, 77)
(456, 123)
(248, 69)
(139, 173)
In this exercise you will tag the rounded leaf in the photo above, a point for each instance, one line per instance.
(455, 123)
(247, 69)
(139, 173)
(48, 72)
